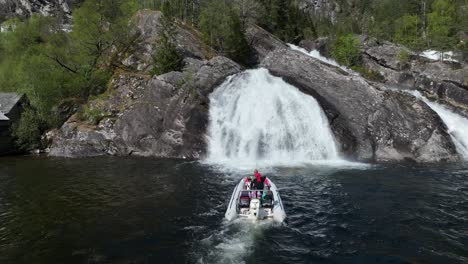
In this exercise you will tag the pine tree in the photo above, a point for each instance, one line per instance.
(166, 58)
(221, 29)
(406, 30)
(441, 24)
(346, 50)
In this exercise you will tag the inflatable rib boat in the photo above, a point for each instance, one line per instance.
(255, 204)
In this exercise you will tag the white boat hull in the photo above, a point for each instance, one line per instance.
(255, 211)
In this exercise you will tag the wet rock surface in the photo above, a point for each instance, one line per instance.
(445, 81)
(262, 42)
(165, 116)
(369, 122)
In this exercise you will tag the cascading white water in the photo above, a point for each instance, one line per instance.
(258, 118)
(316, 54)
(457, 125)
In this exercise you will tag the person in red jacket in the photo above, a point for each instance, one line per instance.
(257, 175)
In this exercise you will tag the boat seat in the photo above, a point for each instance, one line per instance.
(267, 203)
(244, 202)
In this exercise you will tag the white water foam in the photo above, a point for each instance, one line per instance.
(437, 55)
(233, 242)
(457, 125)
(257, 119)
(316, 54)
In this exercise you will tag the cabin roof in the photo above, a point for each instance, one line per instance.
(7, 102)
(3, 117)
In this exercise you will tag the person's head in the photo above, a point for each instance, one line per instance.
(255, 171)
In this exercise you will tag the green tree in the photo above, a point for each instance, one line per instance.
(406, 30)
(441, 24)
(101, 33)
(50, 65)
(286, 20)
(221, 29)
(345, 50)
(28, 130)
(166, 58)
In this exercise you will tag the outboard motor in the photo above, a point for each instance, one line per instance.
(255, 209)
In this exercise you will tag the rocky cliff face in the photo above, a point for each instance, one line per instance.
(323, 9)
(371, 123)
(148, 25)
(262, 42)
(25, 8)
(167, 115)
(445, 81)
(163, 116)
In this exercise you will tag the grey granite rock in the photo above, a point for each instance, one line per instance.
(370, 124)
(165, 116)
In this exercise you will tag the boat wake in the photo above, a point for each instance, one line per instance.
(233, 243)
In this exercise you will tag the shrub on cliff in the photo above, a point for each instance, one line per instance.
(345, 50)
(221, 29)
(28, 130)
(166, 58)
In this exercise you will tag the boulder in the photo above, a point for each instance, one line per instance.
(370, 123)
(262, 42)
(319, 44)
(165, 116)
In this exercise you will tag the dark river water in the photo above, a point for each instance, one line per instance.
(129, 210)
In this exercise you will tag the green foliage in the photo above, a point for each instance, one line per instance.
(418, 24)
(441, 24)
(91, 115)
(101, 32)
(166, 58)
(221, 29)
(403, 56)
(406, 30)
(369, 74)
(50, 65)
(345, 50)
(27, 131)
(463, 47)
(26, 66)
(185, 10)
(286, 20)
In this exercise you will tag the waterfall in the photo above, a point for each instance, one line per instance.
(316, 54)
(457, 125)
(258, 118)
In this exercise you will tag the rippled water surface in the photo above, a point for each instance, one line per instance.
(116, 210)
